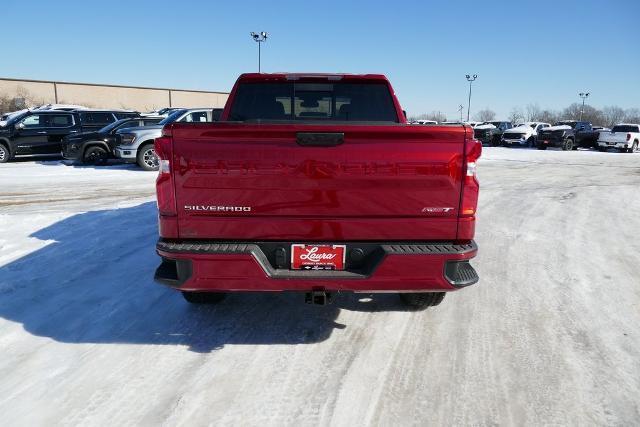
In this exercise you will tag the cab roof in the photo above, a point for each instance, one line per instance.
(282, 76)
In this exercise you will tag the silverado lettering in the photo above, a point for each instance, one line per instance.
(369, 204)
(203, 208)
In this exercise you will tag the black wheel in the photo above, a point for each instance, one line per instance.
(541, 147)
(421, 300)
(4, 154)
(495, 141)
(568, 145)
(634, 147)
(531, 142)
(602, 149)
(203, 297)
(95, 156)
(147, 158)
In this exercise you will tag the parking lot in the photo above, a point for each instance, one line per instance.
(548, 336)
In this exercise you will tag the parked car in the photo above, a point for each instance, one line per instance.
(523, 134)
(568, 135)
(625, 137)
(424, 122)
(473, 124)
(61, 107)
(97, 147)
(491, 132)
(287, 193)
(135, 145)
(40, 132)
(162, 112)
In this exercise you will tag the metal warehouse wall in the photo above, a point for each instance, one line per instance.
(37, 92)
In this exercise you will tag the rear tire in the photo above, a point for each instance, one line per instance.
(147, 158)
(531, 142)
(95, 156)
(421, 300)
(634, 147)
(203, 297)
(4, 154)
(495, 141)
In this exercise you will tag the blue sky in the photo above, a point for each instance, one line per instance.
(542, 52)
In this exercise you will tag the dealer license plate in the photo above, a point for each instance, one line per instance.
(317, 257)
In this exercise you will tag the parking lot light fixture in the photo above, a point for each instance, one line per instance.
(583, 95)
(259, 38)
(470, 79)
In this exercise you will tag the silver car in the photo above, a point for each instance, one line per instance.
(136, 144)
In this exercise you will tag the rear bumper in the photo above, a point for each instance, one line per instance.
(614, 144)
(385, 267)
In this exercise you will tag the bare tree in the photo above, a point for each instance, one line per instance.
(485, 115)
(612, 115)
(632, 115)
(549, 116)
(516, 116)
(532, 112)
(437, 116)
(590, 114)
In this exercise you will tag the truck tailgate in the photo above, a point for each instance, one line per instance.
(274, 182)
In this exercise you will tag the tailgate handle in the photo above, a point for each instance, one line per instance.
(319, 139)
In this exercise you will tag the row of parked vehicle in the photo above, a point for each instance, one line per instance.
(91, 136)
(566, 134)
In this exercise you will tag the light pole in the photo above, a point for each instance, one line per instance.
(460, 109)
(259, 38)
(470, 79)
(583, 95)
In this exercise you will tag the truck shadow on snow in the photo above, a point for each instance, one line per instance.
(93, 283)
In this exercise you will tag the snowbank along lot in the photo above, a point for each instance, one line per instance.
(549, 336)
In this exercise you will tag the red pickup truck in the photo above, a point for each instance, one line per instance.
(316, 183)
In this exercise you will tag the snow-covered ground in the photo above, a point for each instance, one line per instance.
(549, 336)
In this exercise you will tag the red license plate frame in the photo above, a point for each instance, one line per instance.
(318, 257)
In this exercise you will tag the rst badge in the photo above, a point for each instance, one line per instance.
(317, 257)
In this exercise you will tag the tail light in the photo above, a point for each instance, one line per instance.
(628, 137)
(165, 190)
(471, 187)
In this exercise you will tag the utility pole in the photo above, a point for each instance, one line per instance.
(460, 109)
(470, 79)
(583, 95)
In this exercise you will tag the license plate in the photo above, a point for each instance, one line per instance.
(317, 257)
(611, 143)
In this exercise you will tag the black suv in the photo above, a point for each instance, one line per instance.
(491, 135)
(40, 133)
(568, 135)
(97, 147)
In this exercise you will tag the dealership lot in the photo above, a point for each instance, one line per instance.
(548, 336)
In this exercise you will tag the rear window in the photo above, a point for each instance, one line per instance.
(125, 115)
(625, 128)
(95, 118)
(60, 120)
(367, 102)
